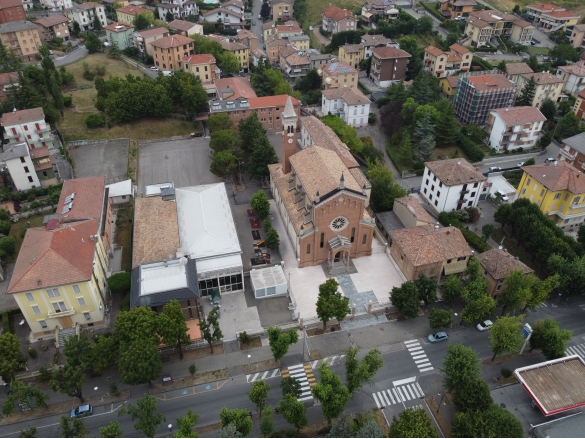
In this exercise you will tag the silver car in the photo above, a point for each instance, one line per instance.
(485, 325)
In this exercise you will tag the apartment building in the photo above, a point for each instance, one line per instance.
(338, 20)
(241, 51)
(85, 14)
(497, 264)
(573, 77)
(547, 87)
(516, 127)
(226, 17)
(185, 28)
(442, 64)
(273, 46)
(27, 126)
(579, 107)
(282, 10)
(127, 14)
(577, 37)
(338, 74)
(295, 65)
(389, 65)
(378, 9)
(203, 66)
(120, 33)
(351, 54)
(22, 38)
(300, 42)
(11, 10)
(456, 8)
(551, 17)
(319, 60)
(169, 51)
(232, 88)
(448, 86)
(476, 95)
(573, 151)
(371, 41)
(246, 38)
(177, 8)
(257, 56)
(53, 26)
(350, 104)
(483, 25)
(28, 168)
(142, 39)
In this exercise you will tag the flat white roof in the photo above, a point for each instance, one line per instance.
(205, 267)
(120, 188)
(154, 189)
(267, 277)
(162, 276)
(206, 224)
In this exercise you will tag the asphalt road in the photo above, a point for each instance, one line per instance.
(75, 55)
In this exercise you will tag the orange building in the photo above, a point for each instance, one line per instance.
(11, 10)
(169, 51)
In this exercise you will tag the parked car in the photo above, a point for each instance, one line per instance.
(310, 28)
(494, 169)
(167, 73)
(502, 196)
(437, 337)
(82, 411)
(550, 159)
(253, 23)
(485, 325)
(546, 59)
(519, 164)
(197, 134)
(154, 69)
(259, 17)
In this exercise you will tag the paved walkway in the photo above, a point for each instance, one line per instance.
(321, 38)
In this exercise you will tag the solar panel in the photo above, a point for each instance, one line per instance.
(65, 210)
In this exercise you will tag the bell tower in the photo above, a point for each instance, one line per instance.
(289, 134)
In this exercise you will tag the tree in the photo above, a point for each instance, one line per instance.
(218, 122)
(549, 109)
(384, 189)
(210, 329)
(78, 351)
(425, 88)
(461, 366)
(251, 131)
(568, 126)
(478, 308)
(503, 213)
(229, 431)
(272, 239)
(169, 17)
(290, 385)
(424, 25)
(229, 63)
(527, 94)
(11, 354)
(532, 62)
(69, 380)
(260, 204)
(515, 292)
(410, 44)
(506, 335)
(29, 432)
(262, 156)
(493, 422)
(21, 393)
(488, 230)
(412, 423)
(259, 394)
(265, 10)
(446, 129)
(111, 430)
(145, 411)
(357, 373)
(502, 66)
(97, 24)
(267, 424)
(120, 282)
(561, 53)
(225, 140)
(8, 245)
(549, 338)
(564, 107)
(426, 288)
(76, 29)
(473, 395)
(280, 341)
(72, 427)
(331, 393)
(105, 352)
(93, 43)
(239, 418)
(540, 290)
(141, 22)
(425, 133)
(440, 318)
(185, 425)
(452, 289)
(293, 411)
(260, 81)
(172, 327)
(405, 298)
(331, 303)
(114, 51)
(224, 163)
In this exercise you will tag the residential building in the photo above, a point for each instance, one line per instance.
(241, 51)
(577, 37)
(389, 65)
(59, 279)
(273, 46)
(268, 109)
(282, 9)
(257, 56)
(456, 8)
(378, 9)
(142, 39)
(321, 201)
(476, 95)
(558, 189)
(185, 28)
(285, 31)
(227, 17)
(11, 10)
(552, 18)
(351, 54)
(371, 41)
(338, 74)
(120, 33)
(234, 5)
(573, 77)
(203, 66)
(579, 107)
(127, 14)
(246, 38)
(52, 4)
(85, 14)
(514, 70)
(516, 127)
(295, 65)
(300, 42)
(8, 81)
(483, 25)
(411, 213)
(338, 20)
(348, 103)
(435, 253)
(573, 151)
(53, 26)
(547, 87)
(442, 64)
(177, 8)
(21, 38)
(497, 265)
(27, 126)
(267, 29)
(121, 3)
(448, 86)
(319, 60)
(452, 184)
(29, 167)
(121, 192)
(233, 88)
(169, 51)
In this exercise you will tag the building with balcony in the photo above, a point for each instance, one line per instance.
(53, 26)
(389, 65)
(319, 60)
(348, 103)
(558, 189)
(300, 42)
(573, 151)
(483, 25)
(53, 4)
(21, 38)
(177, 9)
(203, 66)
(477, 95)
(338, 20)
(579, 107)
(442, 64)
(378, 9)
(285, 31)
(29, 167)
(552, 18)
(59, 279)
(142, 39)
(273, 47)
(8, 83)
(577, 37)
(497, 265)
(246, 38)
(371, 41)
(452, 184)
(127, 14)
(338, 74)
(282, 10)
(241, 51)
(351, 54)
(456, 8)
(234, 5)
(294, 65)
(547, 87)
(573, 77)
(120, 33)
(185, 28)
(169, 51)
(514, 70)
(11, 10)
(86, 13)
(227, 17)
(516, 127)
(27, 126)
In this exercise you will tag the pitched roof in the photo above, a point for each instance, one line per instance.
(352, 48)
(574, 69)
(16, 26)
(182, 24)
(522, 23)
(297, 60)
(223, 10)
(520, 115)
(232, 46)
(245, 33)
(14, 151)
(171, 41)
(7, 78)
(386, 52)
(203, 58)
(352, 95)
(415, 208)
(271, 101)
(546, 7)
(336, 13)
(561, 14)
(86, 5)
(284, 28)
(518, 68)
(435, 51)
(338, 68)
(543, 78)
(88, 200)
(452, 80)
(134, 10)
(579, 27)
(423, 245)
(9, 3)
(258, 53)
(22, 116)
(153, 31)
(498, 263)
(156, 230)
(576, 142)
(52, 20)
(240, 86)
(112, 27)
(490, 82)
(267, 25)
(453, 172)
(371, 40)
(557, 176)
(287, 51)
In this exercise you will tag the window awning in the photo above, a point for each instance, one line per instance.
(455, 267)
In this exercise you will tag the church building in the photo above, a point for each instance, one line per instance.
(321, 196)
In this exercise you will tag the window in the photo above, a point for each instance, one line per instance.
(436, 202)
(30, 179)
(528, 182)
(438, 194)
(557, 196)
(35, 309)
(59, 306)
(567, 197)
(43, 324)
(542, 193)
(87, 316)
(22, 160)
(462, 258)
(365, 239)
(322, 240)
(308, 249)
(523, 191)
(53, 292)
(30, 297)
(576, 200)
(26, 169)
(81, 301)
(352, 238)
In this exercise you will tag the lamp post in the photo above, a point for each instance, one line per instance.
(452, 321)
(170, 428)
(440, 402)
(249, 356)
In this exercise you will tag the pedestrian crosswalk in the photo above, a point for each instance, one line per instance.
(273, 373)
(331, 361)
(542, 305)
(418, 355)
(398, 395)
(304, 375)
(576, 350)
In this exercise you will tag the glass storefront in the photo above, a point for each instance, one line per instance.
(225, 284)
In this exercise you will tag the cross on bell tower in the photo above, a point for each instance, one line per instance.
(289, 136)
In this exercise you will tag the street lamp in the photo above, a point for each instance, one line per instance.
(170, 428)
(249, 356)
(440, 402)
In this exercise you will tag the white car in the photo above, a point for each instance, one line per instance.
(485, 325)
(154, 68)
(502, 196)
(310, 28)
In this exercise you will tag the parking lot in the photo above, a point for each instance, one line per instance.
(109, 158)
(183, 162)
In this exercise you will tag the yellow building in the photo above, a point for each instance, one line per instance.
(282, 10)
(241, 51)
(59, 280)
(203, 66)
(448, 86)
(552, 17)
(338, 74)
(482, 25)
(168, 52)
(558, 189)
(127, 14)
(351, 54)
(21, 38)
(547, 87)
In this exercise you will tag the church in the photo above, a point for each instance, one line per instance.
(321, 194)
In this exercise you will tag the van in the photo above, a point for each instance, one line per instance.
(167, 73)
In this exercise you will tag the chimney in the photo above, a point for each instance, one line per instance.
(317, 198)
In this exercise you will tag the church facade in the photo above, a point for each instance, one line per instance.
(322, 201)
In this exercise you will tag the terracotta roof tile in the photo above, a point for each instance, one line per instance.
(7, 78)
(561, 14)
(203, 58)
(22, 116)
(182, 25)
(154, 31)
(52, 20)
(490, 82)
(375, 40)
(324, 137)
(434, 50)
(112, 27)
(272, 101)
(519, 115)
(498, 263)
(415, 208)
(297, 60)
(240, 86)
(352, 95)
(88, 200)
(518, 68)
(134, 10)
(574, 69)
(561, 176)
(283, 28)
(352, 48)
(390, 52)
(171, 41)
(287, 51)
(454, 172)
(338, 68)
(543, 78)
(233, 46)
(546, 7)
(87, 5)
(336, 13)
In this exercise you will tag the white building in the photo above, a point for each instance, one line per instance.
(27, 126)
(371, 41)
(121, 192)
(452, 184)
(20, 166)
(178, 8)
(348, 103)
(515, 127)
(225, 16)
(257, 55)
(574, 77)
(234, 5)
(53, 4)
(85, 14)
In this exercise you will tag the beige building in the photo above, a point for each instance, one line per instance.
(142, 39)
(22, 38)
(442, 64)
(514, 70)
(273, 46)
(185, 28)
(338, 20)
(411, 213)
(246, 38)
(86, 13)
(300, 42)
(203, 66)
(53, 26)
(169, 51)
(127, 14)
(241, 51)
(547, 87)
(351, 54)
(483, 25)
(282, 9)
(577, 37)
(551, 17)
(338, 74)
(497, 265)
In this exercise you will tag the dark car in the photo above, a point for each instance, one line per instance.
(82, 411)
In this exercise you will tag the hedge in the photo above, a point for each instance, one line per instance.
(5, 322)
(470, 149)
(472, 239)
(431, 8)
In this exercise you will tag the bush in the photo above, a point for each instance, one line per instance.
(372, 118)
(100, 70)
(272, 239)
(4, 227)
(44, 347)
(382, 101)
(506, 373)
(32, 352)
(4, 214)
(8, 245)
(120, 282)
(5, 322)
(473, 214)
(95, 121)
(67, 101)
(471, 150)
(461, 215)
(266, 224)
(45, 375)
(192, 369)
(126, 303)
(245, 338)
(88, 75)
(113, 387)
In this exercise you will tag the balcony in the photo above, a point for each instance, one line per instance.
(464, 191)
(55, 314)
(567, 154)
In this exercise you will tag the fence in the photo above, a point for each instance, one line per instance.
(168, 139)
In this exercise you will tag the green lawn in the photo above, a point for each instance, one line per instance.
(538, 50)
